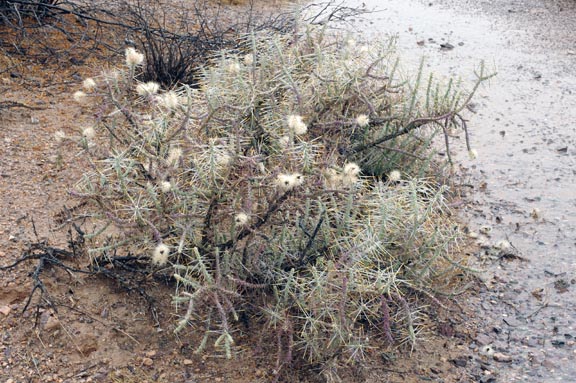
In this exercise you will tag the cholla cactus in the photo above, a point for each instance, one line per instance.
(256, 204)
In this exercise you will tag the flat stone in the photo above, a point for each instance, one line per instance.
(49, 322)
(460, 361)
(5, 310)
(531, 342)
(549, 364)
(483, 339)
(147, 362)
(500, 357)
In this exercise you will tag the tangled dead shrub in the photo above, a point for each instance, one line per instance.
(266, 190)
(17, 10)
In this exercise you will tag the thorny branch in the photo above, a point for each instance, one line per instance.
(451, 118)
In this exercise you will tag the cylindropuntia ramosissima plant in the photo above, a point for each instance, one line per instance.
(274, 181)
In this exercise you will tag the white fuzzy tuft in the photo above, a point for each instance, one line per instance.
(297, 125)
(89, 84)
(89, 133)
(170, 100)
(133, 57)
(165, 186)
(59, 136)
(362, 120)
(160, 255)
(394, 176)
(147, 89)
(351, 169)
(79, 97)
(241, 219)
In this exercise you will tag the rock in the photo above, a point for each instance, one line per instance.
(48, 321)
(558, 342)
(500, 357)
(460, 361)
(187, 362)
(531, 342)
(151, 354)
(549, 364)
(561, 286)
(87, 344)
(483, 339)
(503, 245)
(446, 329)
(5, 310)
(147, 362)
(486, 230)
(512, 322)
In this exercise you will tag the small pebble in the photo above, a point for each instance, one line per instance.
(549, 364)
(503, 245)
(5, 310)
(147, 362)
(499, 357)
(483, 339)
(486, 230)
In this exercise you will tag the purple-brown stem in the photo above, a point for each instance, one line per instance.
(386, 320)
